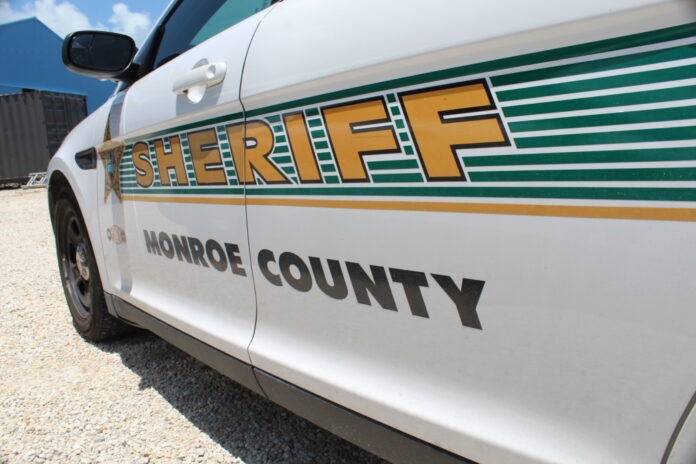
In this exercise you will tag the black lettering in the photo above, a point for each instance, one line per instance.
(339, 289)
(182, 249)
(303, 283)
(166, 244)
(378, 285)
(265, 257)
(465, 298)
(235, 259)
(213, 248)
(412, 282)
(197, 252)
(151, 243)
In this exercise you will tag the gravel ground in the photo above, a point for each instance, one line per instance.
(137, 400)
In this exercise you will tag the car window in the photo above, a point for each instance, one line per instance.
(194, 21)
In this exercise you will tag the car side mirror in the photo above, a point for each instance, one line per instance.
(105, 55)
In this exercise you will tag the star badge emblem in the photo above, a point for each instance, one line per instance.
(111, 153)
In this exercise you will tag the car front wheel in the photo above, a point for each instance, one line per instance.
(80, 276)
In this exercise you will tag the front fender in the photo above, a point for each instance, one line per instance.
(84, 182)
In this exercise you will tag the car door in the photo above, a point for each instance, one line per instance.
(174, 208)
(458, 230)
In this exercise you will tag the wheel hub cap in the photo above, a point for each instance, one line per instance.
(81, 261)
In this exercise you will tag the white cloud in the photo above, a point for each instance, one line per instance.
(134, 24)
(63, 17)
(7, 13)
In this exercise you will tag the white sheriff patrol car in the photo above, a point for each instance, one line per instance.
(445, 230)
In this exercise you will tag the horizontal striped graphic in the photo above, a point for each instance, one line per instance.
(606, 101)
(580, 175)
(606, 138)
(600, 83)
(602, 121)
(626, 117)
(595, 66)
(585, 157)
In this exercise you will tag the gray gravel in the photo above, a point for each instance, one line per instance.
(137, 400)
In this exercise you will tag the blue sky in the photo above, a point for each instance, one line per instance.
(132, 17)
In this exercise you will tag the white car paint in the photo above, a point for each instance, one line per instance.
(588, 333)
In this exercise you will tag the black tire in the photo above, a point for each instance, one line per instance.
(80, 276)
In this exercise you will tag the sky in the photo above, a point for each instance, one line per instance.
(131, 17)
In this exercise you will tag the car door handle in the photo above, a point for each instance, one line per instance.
(207, 75)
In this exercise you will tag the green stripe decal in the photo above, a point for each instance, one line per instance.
(606, 64)
(328, 168)
(406, 177)
(398, 164)
(602, 83)
(632, 136)
(603, 156)
(586, 193)
(630, 117)
(625, 99)
(587, 175)
(282, 159)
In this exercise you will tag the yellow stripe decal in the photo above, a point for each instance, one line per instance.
(190, 200)
(599, 212)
